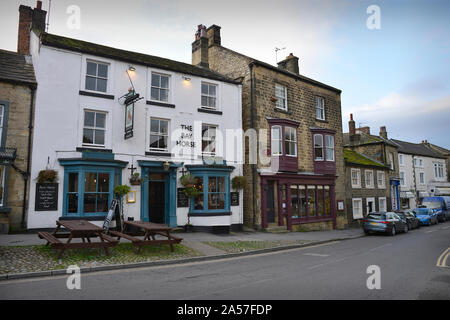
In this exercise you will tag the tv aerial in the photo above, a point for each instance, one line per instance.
(276, 53)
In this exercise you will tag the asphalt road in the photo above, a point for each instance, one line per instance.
(338, 270)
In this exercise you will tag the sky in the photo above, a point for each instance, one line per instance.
(396, 75)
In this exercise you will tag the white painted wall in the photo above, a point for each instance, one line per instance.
(59, 122)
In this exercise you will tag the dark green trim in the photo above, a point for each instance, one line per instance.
(96, 95)
(160, 104)
(5, 122)
(93, 162)
(209, 111)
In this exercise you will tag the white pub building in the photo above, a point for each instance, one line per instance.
(103, 114)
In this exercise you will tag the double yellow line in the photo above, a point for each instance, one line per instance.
(442, 261)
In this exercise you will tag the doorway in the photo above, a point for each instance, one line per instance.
(370, 205)
(156, 201)
(270, 207)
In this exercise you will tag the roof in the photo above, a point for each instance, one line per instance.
(16, 68)
(353, 157)
(416, 149)
(130, 56)
(366, 139)
(438, 149)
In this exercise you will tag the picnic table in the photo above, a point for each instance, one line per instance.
(77, 229)
(150, 230)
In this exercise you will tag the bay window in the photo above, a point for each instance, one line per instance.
(290, 141)
(318, 147)
(277, 141)
(323, 150)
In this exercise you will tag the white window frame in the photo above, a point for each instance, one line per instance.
(422, 174)
(327, 147)
(2, 117)
(2, 184)
(105, 129)
(159, 133)
(320, 106)
(277, 141)
(358, 172)
(391, 160)
(216, 96)
(294, 130)
(402, 179)
(108, 68)
(169, 89)
(359, 213)
(438, 170)
(282, 102)
(210, 138)
(321, 147)
(383, 184)
(400, 160)
(371, 180)
(385, 204)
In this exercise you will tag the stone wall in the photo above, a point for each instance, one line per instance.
(18, 97)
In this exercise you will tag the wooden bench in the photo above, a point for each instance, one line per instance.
(51, 239)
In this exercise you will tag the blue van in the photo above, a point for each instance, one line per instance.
(440, 205)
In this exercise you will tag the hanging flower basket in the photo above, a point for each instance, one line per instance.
(239, 182)
(47, 176)
(135, 180)
(188, 181)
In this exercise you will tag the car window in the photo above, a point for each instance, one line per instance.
(376, 216)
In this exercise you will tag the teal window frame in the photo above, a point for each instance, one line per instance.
(206, 173)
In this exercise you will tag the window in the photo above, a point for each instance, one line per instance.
(281, 95)
(160, 87)
(318, 147)
(381, 179)
(2, 185)
(391, 161)
(382, 204)
(94, 128)
(357, 208)
(329, 145)
(421, 177)
(290, 141)
(402, 178)
(418, 162)
(96, 192)
(320, 108)
(356, 178)
(277, 141)
(209, 139)
(96, 76)
(400, 159)
(159, 134)
(2, 112)
(216, 193)
(209, 95)
(438, 170)
(369, 178)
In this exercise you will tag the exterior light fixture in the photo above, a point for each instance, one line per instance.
(166, 166)
(186, 78)
(131, 68)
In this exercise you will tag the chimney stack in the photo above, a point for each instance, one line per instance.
(383, 132)
(365, 130)
(29, 19)
(213, 34)
(290, 64)
(200, 48)
(351, 125)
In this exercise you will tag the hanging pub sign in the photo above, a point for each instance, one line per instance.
(129, 121)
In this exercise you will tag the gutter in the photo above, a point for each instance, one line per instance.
(252, 125)
(26, 175)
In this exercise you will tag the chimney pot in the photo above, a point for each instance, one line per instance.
(351, 126)
(290, 64)
(39, 5)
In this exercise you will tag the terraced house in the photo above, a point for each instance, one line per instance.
(302, 118)
(372, 178)
(104, 114)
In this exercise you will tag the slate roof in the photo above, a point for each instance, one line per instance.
(16, 68)
(416, 149)
(353, 157)
(441, 150)
(366, 139)
(130, 56)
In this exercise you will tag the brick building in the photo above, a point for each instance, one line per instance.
(372, 172)
(17, 90)
(300, 184)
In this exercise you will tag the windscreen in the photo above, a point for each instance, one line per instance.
(432, 204)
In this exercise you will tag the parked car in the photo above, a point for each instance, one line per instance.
(384, 222)
(410, 217)
(426, 216)
(440, 205)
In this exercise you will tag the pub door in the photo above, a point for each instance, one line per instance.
(156, 198)
(270, 208)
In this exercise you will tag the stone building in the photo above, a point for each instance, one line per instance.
(372, 178)
(17, 92)
(296, 176)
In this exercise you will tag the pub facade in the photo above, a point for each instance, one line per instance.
(107, 117)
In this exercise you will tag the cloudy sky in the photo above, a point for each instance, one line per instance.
(397, 75)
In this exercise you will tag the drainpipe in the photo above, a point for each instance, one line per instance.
(26, 176)
(252, 125)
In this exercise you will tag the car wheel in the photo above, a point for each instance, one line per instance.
(367, 232)
(392, 233)
(406, 229)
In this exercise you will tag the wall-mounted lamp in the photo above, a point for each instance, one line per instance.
(131, 68)
(166, 166)
(186, 78)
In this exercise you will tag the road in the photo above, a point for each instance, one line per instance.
(337, 270)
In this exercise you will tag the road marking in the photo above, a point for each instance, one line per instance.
(445, 228)
(316, 254)
(430, 231)
(442, 260)
(384, 245)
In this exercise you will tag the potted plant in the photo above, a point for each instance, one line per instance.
(120, 191)
(47, 176)
(274, 99)
(135, 180)
(239, 182)
(188, 180)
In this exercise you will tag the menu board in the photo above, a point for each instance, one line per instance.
(234, 198)
(182, 199)
(46, 197)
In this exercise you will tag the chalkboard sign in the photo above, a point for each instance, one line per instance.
(46, 197)
(112, 211)
(234, 198)
(182, 200)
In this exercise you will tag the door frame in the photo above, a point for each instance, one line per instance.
(166, 192)
(374, 208)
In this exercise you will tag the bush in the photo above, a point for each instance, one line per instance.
(121, 190)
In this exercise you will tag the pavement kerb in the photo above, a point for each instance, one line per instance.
(49, 273)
